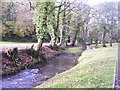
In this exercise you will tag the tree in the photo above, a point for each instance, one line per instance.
(8, 18)
(61, 16)
(106, 15)
(16, 20)
(80, 21)
(47, 19)
(66, 17)
(40, 19)
(8, 12)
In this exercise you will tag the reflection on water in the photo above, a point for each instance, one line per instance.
(38, 73)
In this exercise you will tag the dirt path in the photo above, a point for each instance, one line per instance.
(6, 47)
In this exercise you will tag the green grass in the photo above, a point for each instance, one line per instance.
(74, 50)
(15, 43)
(95, 69)
(99, 45)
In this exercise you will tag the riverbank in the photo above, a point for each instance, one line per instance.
(39, 73)
(16, 60)
(95, 69)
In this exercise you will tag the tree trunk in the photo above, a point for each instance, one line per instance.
(55, 36)
(52, 42)
(40, 43)
(62, 36)
(103, 39)
(110, 35)
(91, 41)
(74, 38)
(111, 42)
(104, 44)
(82, 42)
(96, 42)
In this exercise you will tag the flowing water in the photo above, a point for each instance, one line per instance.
(39, 73)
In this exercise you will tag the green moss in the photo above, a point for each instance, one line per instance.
(95, 69)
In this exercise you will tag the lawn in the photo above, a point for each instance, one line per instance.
(95, 69)
(16, 43)
(74, 50)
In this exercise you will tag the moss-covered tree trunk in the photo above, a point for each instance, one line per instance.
(62, 31)
(54, 36)
(53, 41)
(40, 43)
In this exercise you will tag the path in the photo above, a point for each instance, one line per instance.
(117, 71)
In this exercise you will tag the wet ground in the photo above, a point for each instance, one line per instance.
(39, 73)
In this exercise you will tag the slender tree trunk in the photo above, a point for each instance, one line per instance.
(30, 5)
(110, 35)
(103, 39)
(111, 42)
(96, 42)
(91, 41)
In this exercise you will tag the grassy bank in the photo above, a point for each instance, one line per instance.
(95, 69)
(74, 50)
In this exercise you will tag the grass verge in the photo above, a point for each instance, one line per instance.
(95, 69)
(74, 50)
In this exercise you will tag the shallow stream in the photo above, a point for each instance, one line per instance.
(39, 73)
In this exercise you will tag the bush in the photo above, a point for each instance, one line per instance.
(13, 53)
(31, 52)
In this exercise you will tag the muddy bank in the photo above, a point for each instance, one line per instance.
(16, 60)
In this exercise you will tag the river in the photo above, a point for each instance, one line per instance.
(39, 73)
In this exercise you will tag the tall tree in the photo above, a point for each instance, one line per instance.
(41, 15)
(81, 13)
(107, 19)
